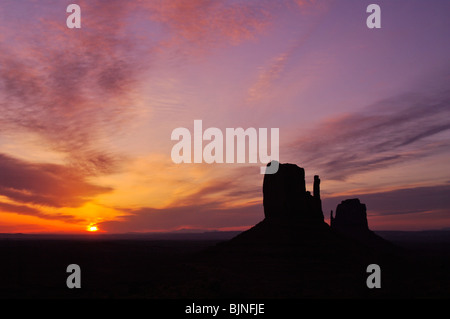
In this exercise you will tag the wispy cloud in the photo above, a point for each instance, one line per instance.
(402, 201)
(395, 130)
(240, 186)
(267, 76)
(193, 216)
(47, 185)
(414, 207)
(279, 65)
(205, 22)
(72, 87)
(30, 211)
(213, 201)
(77, 88)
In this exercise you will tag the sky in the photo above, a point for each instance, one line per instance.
(86, 114)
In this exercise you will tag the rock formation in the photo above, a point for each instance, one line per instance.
(285, 195)
(292, 249)
(316, 186)
(294, 217)
(351, 221)
(351, 217)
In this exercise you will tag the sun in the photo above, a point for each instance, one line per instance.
(91, 228)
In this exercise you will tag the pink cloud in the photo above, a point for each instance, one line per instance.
(75, 88)
(205, 22)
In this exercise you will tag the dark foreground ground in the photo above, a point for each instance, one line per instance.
(187, 267)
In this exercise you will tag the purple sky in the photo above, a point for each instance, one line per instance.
(86, 114)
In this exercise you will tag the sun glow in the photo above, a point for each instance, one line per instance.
(92, 228)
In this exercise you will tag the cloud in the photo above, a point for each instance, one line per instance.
(217, 202)
(404, 128)
(193, 216)
(267, 76)
(239, 186)
(27, 210)
(402, 201)
(405, 208)
(209, 23)
(72, 87)
(79, 88)
(277, 67)
(47, 185)
(416, 203)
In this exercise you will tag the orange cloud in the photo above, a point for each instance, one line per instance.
(44, 184)
(18, 223)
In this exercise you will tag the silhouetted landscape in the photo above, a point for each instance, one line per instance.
(291, 253)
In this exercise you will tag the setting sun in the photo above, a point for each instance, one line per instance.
(92, 228)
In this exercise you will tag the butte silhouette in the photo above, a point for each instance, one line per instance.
(292, 252)
(294, 217)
